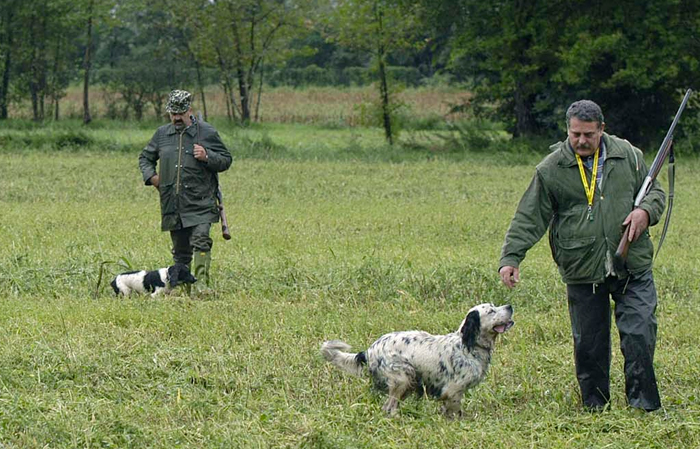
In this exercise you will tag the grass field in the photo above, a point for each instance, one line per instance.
(348, 246)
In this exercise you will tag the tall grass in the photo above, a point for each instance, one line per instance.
(322, 106)
(346, 247)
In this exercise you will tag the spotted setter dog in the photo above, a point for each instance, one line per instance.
(444, 366)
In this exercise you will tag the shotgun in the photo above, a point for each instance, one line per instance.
(664, 152)
(222, 213)
(225, 233)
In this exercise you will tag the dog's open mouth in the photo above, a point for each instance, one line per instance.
(503, 327)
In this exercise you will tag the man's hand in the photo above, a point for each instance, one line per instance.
(509, 275)
(638, 220)
(155, 181)
(200, 153)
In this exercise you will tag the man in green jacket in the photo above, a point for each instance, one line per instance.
(584, 192)
(191, 155)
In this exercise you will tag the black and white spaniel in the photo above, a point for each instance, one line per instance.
(155, 282)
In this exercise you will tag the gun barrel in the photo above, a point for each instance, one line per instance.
(621, 253)
(666, 144)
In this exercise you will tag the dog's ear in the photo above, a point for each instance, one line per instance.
(471, 329)
(174, 275)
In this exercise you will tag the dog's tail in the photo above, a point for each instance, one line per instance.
(335, 351)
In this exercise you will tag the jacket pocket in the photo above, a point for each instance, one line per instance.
(168, 200)
(575, 256)
(641, 254)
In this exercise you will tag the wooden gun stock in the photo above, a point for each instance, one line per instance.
(621, 252)
(222, 214)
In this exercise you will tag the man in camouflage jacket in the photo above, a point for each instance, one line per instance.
(584, 192)
(191, 155)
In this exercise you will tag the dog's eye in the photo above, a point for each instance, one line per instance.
(491, 311)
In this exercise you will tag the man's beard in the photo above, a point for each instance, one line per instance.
(179, 125)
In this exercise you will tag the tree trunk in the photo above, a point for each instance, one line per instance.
(383, 84)
(384, 92)
(243, 91)
(7, 65)
(260, 88)
(228, 101)
(524, 123)
(55, 86)
(240, 74)
(87, 65)
(201, 89)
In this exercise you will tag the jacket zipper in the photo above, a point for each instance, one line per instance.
(179, 166)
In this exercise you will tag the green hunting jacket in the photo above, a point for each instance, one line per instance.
(556, 200)
(187, 186)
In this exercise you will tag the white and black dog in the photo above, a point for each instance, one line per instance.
(444, 366)
(154, 282)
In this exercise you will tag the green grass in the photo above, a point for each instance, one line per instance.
(349, 245)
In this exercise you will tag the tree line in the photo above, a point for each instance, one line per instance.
(524, 61)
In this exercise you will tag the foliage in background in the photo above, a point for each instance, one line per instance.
(524, 62)
(378, 27)
(530, 60)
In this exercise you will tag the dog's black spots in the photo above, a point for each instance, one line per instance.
(471, 329)
(443, 368)
(379, 382)
(151, 281)
(424, 387)
(433, 390)
(114, 286)
(361, 358)
(407, 341)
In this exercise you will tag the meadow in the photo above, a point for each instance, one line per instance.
(334, 236)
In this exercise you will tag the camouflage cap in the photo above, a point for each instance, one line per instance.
(179, 101)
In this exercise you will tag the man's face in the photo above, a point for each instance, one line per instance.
(585, 136)
(181, 121)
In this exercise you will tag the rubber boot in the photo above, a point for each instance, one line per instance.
(202, 262)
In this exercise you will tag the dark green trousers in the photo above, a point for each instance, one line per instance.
(187, 240)
(590, 312)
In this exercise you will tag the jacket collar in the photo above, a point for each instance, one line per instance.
(612, 150)
(191, 130)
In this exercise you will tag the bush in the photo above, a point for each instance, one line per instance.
(688, 140)
(72, 139)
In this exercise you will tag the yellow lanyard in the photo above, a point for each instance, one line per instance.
(590, 189)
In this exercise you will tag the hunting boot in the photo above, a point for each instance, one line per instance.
(202, 262)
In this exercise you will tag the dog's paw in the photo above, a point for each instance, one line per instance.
(391, 406)
(451, 413)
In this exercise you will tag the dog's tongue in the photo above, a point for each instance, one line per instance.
(503, 327)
